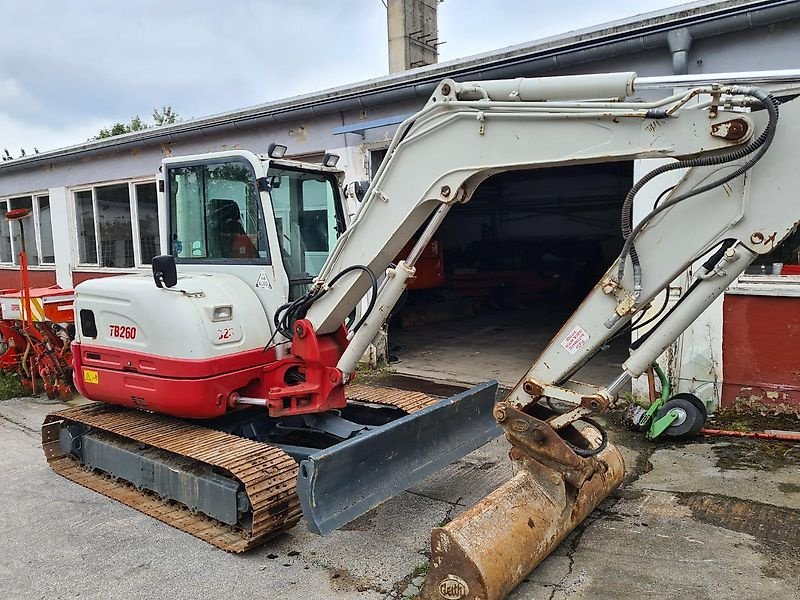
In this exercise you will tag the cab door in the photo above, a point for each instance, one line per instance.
(219, 221)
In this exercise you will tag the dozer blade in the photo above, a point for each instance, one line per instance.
(340, 483)
(489, 549)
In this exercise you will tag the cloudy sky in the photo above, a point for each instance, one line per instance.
(69, 68)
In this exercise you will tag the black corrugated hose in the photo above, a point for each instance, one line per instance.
(759, 146)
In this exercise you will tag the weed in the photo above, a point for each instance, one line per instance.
(10, 386)
(420, 570)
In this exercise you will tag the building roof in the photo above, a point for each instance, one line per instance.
(638, 33)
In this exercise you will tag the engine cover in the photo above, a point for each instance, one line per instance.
(180, 351)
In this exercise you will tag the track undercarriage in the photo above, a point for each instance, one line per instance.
(241, 479)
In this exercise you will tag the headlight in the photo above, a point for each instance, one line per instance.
(222, 313)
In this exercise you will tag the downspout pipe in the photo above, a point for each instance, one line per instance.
(737, 16)
(679, 42)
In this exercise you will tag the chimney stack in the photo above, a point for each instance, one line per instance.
(413, 33)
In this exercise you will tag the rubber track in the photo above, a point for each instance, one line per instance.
(268, 474)
(405, 400)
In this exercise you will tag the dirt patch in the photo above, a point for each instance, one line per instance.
(747, 419)
(417, 384)
(739, 454)
(789, 488)
(774, 528)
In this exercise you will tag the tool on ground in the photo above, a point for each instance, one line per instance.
(681, 416)
(36, 328)
(238, 352)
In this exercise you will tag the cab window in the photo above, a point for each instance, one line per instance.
(215, 213)
(307, 219)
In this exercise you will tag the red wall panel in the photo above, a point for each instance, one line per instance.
(9, 278)
(761, 351)
(81, 276)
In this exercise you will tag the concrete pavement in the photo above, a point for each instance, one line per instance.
(691, 521)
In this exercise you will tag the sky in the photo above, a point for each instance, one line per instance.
(70, 68)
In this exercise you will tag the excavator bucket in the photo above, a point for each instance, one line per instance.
(489, 549)
(342, 482)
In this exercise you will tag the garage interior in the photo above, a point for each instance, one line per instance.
(505, 271)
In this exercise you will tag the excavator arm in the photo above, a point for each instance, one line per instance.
(732, 141)
(730, 204)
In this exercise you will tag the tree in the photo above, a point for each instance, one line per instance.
(164, 116)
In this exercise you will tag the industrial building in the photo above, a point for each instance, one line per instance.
(524, 250)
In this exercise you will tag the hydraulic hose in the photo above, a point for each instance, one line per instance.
(757, 147)
(288, 313)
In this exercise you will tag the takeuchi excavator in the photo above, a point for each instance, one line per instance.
(225, 403)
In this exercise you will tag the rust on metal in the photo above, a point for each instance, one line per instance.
(733, 130)
(268, 475)
(595, 402)
(533, 388)
(479, 557)
(540, 442)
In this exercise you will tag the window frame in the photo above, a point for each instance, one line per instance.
(339, 212)
(34, 196)
(267, 261)
(133, 207)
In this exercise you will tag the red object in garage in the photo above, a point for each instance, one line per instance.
(430, 266)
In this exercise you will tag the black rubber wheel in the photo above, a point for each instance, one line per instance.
(696, 401)
(689, 422)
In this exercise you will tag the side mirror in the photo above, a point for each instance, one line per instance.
(357, 190)
(165, 274)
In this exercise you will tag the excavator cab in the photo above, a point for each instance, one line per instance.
(247, 211)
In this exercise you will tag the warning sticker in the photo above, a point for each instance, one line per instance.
(575, 340)
(91, 376)
(263, 280)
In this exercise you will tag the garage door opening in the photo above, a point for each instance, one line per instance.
(505, 271)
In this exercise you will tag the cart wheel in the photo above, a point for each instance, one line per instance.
(689, 422)
(696, 401)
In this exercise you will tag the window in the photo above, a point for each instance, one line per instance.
(26, 229)
(114, 226)
(147, 214)
(216, 213)
(375, 159)
(117, 224)
(87, 242)
(5, 235)
(306, 217)
(45, 230)
(38, 231)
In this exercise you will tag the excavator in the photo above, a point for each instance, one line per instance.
(225, 402)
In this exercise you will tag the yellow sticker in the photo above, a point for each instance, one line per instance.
(91, 376)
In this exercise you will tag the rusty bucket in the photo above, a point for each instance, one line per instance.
(490, 548)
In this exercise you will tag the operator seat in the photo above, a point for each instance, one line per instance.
(232, 240)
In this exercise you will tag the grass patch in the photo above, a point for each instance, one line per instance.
(10, 386)
(420, 570)
(367, 374)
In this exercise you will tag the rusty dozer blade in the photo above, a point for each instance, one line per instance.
(489, 549)
(340, 483)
